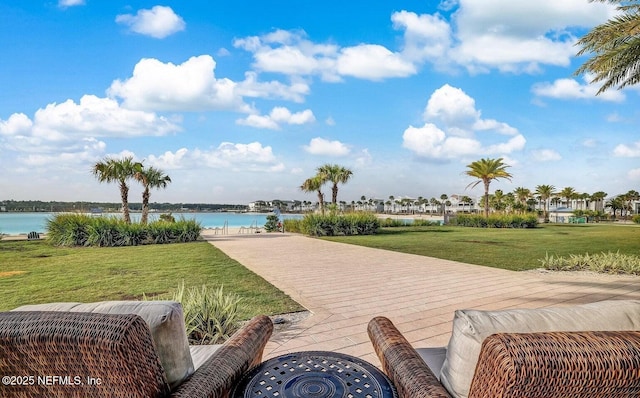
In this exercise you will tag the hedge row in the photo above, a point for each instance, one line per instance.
(85, 230)
(334, 224)
(495, 221)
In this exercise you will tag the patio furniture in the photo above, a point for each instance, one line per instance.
(72, 353)
(590, 350)
(312, 374)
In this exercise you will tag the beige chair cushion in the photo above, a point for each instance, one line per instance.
(201, 353)
(471, 327)
(165, 320)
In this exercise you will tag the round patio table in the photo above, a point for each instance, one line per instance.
(314, 374)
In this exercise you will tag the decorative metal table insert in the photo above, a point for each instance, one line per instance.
(315, 374)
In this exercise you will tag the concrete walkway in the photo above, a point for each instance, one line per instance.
(344, 286)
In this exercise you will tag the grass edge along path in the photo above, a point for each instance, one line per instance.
(33, 272)
(512, 249)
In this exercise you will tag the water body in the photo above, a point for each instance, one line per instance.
(23, 223)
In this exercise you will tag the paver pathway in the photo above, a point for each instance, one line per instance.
(344, 286)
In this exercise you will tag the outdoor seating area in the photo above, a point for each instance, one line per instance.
(119, 349)
(140, 349)
(590, 350)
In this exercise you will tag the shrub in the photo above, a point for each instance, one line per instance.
(210, 315)
(610, 263)
(417, 222)
(340, 224)
(272, 223)
(292, 225)
(495, 221)
(636, 219)
(84, 230)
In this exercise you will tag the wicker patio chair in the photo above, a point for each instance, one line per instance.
(77, 354)
(519, 365)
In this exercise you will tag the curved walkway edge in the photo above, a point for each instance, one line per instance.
(344, 286)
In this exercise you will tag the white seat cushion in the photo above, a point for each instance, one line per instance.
(471, 327)
(201, 353)
(434, 358)
(166, 323)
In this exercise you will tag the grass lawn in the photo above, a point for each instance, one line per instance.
(33, 272)
(514, 249)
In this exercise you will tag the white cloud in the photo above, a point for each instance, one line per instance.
(68, 132)
(372, 62)
(234, 156)
(278, 116)
(571, 89)
(321, 146)
(498, 34)
(70, 3)
(461, 120)
(193, 86)
(251, 87)
(18, 123)
(627, 151)
(158, 22)
(426, 37)
(291, 53)
(545, 155)
(634, 174)
(190, 86)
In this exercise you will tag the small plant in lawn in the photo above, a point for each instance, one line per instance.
(211, 316)
(610, 263)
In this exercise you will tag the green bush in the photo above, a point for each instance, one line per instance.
(210, 315)
(636, 219)
(272, 223)
(610, 263)
(417, 222)
(495, 221)
(292, 225)
(84, 230)
(339, 224)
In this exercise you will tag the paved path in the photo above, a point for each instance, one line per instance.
(344, 286)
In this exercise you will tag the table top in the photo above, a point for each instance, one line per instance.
(314, 374)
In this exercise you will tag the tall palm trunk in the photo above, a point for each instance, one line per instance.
(486, 198)
(124, 196)
(334, 194)
(145, 206)
(321, 201)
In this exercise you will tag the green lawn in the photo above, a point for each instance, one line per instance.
(34, 272)
(515, 249)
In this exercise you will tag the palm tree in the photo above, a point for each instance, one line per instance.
(522, 194)
(487, 170)
(631, 197)
(444, 198)
(615, 46)
(615, 204)
(120, 171)
(314, 184)
(569, 194)
(599, 197)
(150, 178)
(337, 175)
(545, 192)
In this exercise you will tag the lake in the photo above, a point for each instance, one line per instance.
(23, 223)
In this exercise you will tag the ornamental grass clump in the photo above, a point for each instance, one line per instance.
(496, 221)
(84, 230)
(608, 263)
(211, 316)
(334, 224)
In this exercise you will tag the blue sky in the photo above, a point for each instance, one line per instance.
(243, 101)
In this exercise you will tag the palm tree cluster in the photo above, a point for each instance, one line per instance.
(615, 48)
(125, 169)
(333, 173)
